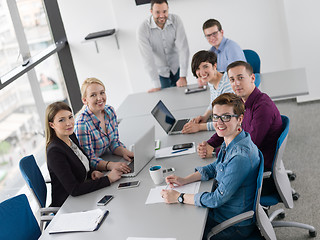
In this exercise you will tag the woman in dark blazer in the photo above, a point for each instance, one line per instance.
(68, 164)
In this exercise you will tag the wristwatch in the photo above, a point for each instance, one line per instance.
(181, 198)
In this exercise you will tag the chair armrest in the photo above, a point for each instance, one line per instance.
(49, 210)
(46, 218)
(236, 219)
(266, 174)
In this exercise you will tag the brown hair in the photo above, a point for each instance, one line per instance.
(158, 2)
(210, 23)
(230, 99)
(51, 112)
(248, 67)
(202, 56)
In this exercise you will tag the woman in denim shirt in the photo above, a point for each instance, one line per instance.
(235, 172)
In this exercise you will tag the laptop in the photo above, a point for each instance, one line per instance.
(167, 121)
(143, 150)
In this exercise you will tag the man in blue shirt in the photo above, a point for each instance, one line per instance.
(226, 50)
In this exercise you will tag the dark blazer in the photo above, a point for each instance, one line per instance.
(68, 174)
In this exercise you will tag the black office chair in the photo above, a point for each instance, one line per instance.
(284, 190)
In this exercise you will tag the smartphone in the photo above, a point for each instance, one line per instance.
(103, 201)
(128, 184)
(182, 146)
(195, 89)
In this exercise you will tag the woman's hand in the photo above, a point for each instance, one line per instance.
(127, 155)
(170, 196)
(199, 119)
(173, 179)
(95, 175)
(114, 175)
(119, 166)
(204, 150)
(191, 127)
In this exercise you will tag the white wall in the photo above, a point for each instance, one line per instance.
(267, 26)
(304, 34)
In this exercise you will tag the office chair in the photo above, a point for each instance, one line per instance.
(283, 186)
(254, 60)
(257, 214)
(17, 220)
(36, 183)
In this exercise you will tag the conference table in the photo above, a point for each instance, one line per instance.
(129, 215)
(278, 85)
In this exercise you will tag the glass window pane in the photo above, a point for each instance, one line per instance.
(9, 49)
(35, 24)
(21, 134)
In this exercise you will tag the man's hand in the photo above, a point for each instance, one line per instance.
(154, 90)
(182, 82)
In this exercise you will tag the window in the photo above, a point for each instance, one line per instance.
(21, 118)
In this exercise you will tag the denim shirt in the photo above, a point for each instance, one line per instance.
(235, 171)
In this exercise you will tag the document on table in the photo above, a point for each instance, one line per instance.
(140, 238)
(155, 193)
(168, 152)
(87, 221)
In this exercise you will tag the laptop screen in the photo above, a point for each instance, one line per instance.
(163, 116)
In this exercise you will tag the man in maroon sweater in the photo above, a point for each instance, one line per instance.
(261, 118)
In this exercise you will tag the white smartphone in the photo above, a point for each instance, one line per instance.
(103, 201)
(128, 184)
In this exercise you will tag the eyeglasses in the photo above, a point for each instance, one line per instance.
(214, 34)
(223, 118)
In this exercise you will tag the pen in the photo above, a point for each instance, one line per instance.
(181, 150)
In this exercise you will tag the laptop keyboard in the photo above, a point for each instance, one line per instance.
(179, 125)
(131, 166)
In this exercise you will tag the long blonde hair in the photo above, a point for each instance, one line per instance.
(84, 88)
(51, 112)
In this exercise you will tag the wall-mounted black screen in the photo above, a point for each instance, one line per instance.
(140, 2)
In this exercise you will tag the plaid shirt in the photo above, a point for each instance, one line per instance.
(92, 138)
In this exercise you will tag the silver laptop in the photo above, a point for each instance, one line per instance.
(144, 152)
(167, 121)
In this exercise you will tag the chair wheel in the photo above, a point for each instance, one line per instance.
(292, 176)
(295, 196)
(282, 215)
(312, 233)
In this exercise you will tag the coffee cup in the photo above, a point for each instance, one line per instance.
(156, 173)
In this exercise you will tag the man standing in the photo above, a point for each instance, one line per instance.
(164, 47)
(226, 50)
(261, 119)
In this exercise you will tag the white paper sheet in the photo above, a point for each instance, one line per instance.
(155, 193)
(167, 152)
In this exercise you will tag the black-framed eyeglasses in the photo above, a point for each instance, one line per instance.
(214, 34)
(223, 118)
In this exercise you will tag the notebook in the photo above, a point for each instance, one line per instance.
(166, 120)
(144, 152)
(87, 221)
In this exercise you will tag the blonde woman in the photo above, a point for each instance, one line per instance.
(68, 164)
(97, 128)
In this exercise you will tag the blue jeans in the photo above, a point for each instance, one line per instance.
(171, 80)
(233, 232)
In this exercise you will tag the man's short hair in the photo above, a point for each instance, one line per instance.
(202, 56)
(248, 67)
(158, 2)
(210, 23)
